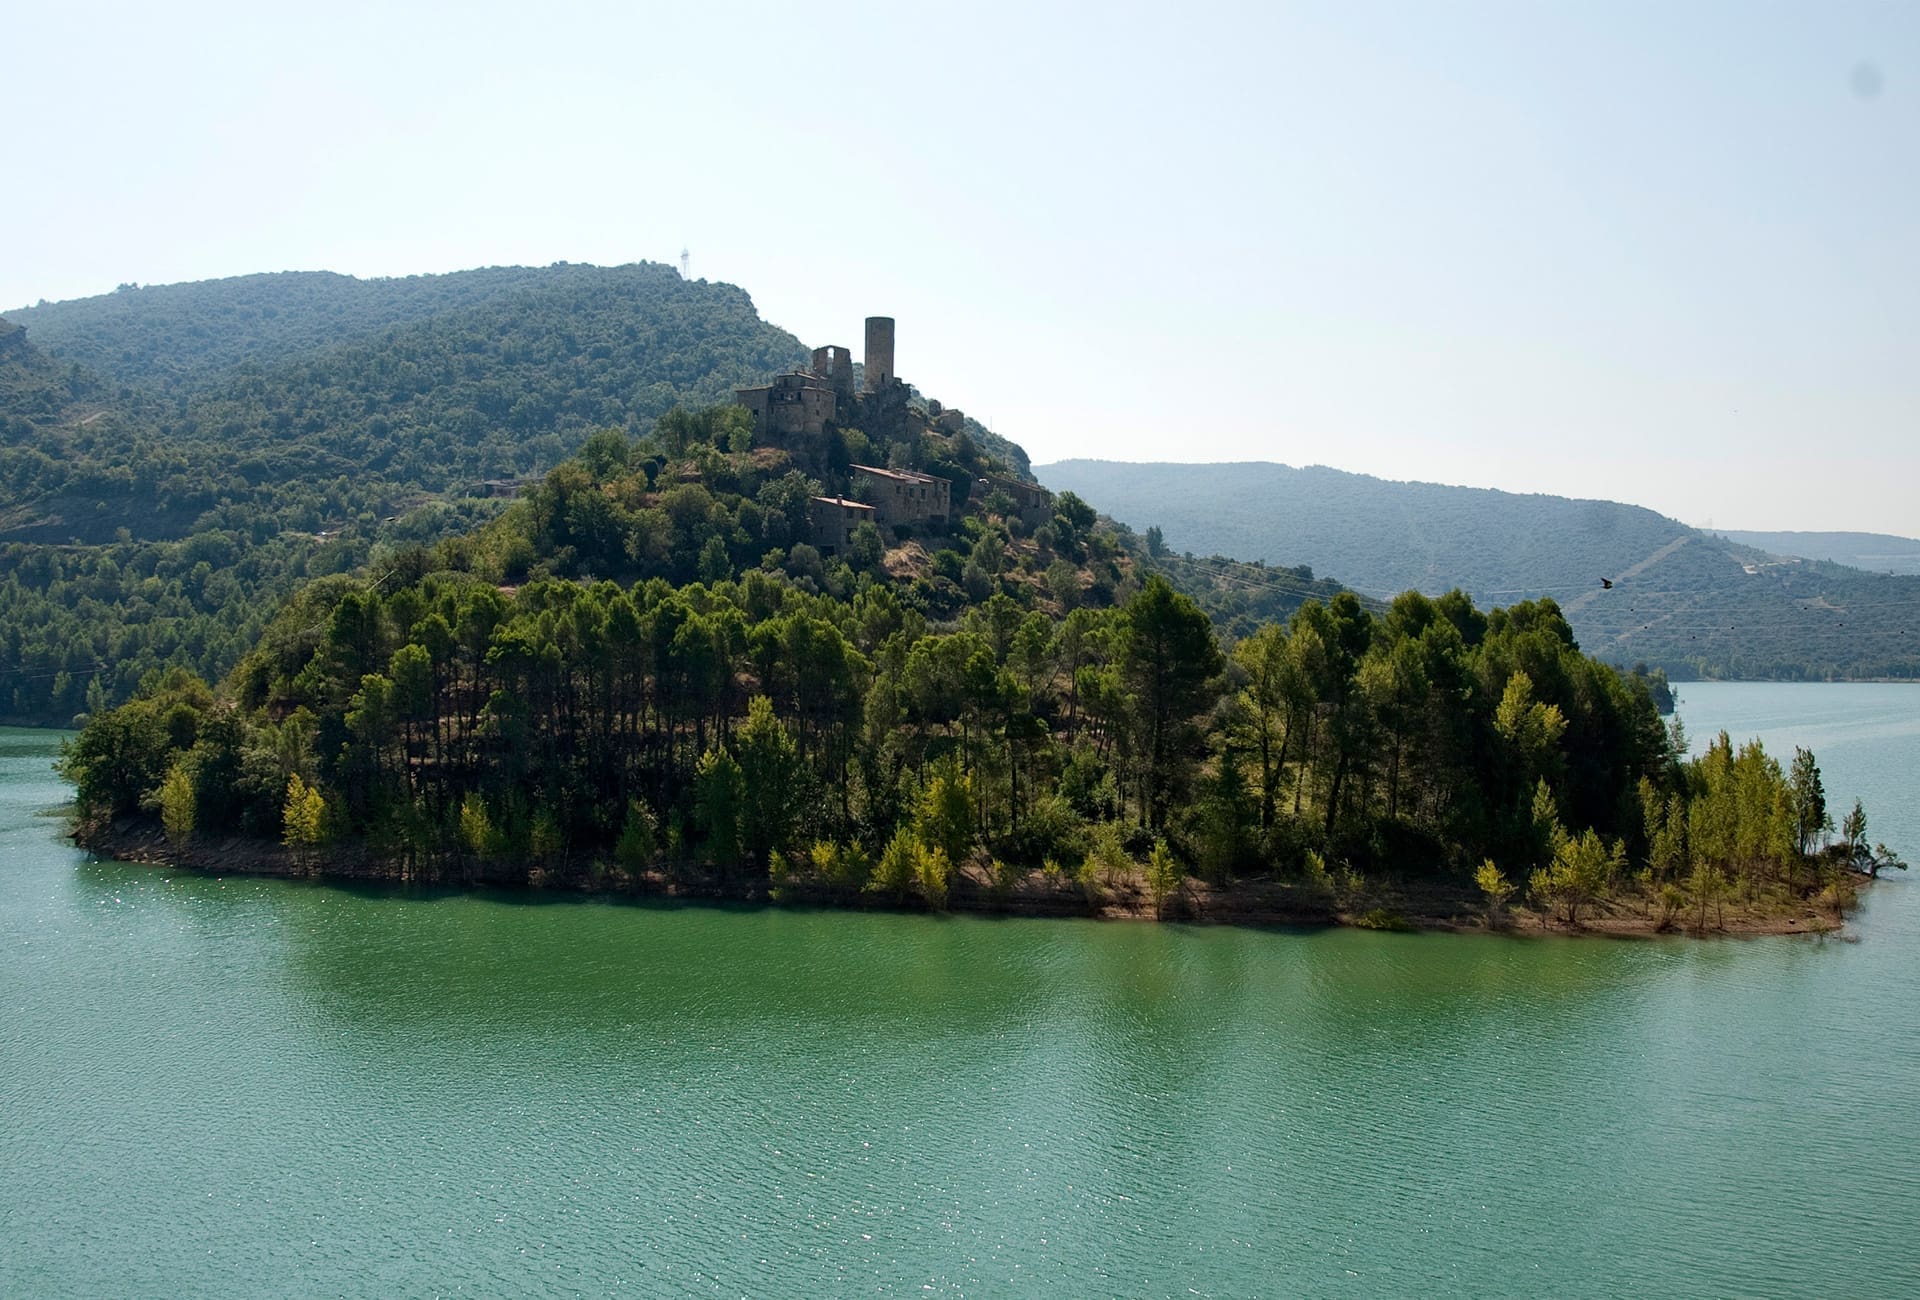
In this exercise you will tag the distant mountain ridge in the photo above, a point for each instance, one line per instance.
(1874, 552)
(1682, 599)
(1416, 534)
(176, 336)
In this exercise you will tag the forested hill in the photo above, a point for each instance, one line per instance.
(178, 336)
(175, 460)
(503, 379)
(1683, 600)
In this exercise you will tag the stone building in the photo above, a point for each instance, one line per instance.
(834, 519)
(797, 405)
(1033, 503)
(833, 366)
(803, 403)
(902, 496)
(879, 367)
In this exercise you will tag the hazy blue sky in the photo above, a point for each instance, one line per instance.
(1666, 253)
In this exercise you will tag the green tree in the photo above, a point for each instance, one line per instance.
(1811, 821)
(476, 829)
(1854, 829)
(714, 565)
(943, 815)
(1883, 859)
(1546, 833)
(1164, 875)
(1496, 889)
(933, 870)
(303, 817)
(719, 796)
(1167, 655)
(769, 766)
(1532, 730)
(865, 550)
(638, 842)
(898, 867)
(177, 803)
(546, 838)
(1581, 869)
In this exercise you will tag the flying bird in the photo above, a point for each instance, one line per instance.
(1606, 584)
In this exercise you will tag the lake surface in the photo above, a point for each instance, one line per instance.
(242, 1087)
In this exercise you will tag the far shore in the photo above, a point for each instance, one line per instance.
(1420, 906)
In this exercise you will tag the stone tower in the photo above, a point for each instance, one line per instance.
(879, 352)
(841, 376)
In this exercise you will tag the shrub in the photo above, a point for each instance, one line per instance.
(1495, 888)
(1381, 918)
(637, 843)
(1164, 875)
(896, 871)
(934, 870)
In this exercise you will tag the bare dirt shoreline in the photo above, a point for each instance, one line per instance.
(1419, 907)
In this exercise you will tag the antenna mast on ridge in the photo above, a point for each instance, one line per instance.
(685, 258)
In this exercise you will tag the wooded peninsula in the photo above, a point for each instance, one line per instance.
(645, 676)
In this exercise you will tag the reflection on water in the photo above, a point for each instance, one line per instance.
(207, 1084)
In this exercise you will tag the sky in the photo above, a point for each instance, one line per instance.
(1658, 253)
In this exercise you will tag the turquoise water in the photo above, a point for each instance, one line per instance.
(241, 1087)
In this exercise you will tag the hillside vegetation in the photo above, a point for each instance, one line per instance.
(174, 461)
(605, 687)
(179, 336)
(243, 435)
(1683, 600)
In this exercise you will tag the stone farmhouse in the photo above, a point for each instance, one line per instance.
(903, 496)
(834, 519)
(1033, 503)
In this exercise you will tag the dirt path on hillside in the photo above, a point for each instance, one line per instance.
(1633, 571)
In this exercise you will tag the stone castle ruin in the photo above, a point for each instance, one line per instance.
(800, 410)
(802, 403)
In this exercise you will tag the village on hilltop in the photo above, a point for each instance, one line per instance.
(797, 412)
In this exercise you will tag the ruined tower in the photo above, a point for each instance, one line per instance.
(879, 352)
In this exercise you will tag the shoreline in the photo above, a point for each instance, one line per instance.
(1416, 907)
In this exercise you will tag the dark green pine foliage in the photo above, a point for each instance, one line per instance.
(175, 460)
(643, 666)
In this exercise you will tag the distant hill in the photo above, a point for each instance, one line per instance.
(1874, 552)
(1682, 600)
(177, 336)
(504, 375)
(173, 460)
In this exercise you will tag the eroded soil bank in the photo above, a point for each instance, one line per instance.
(1392, 905)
